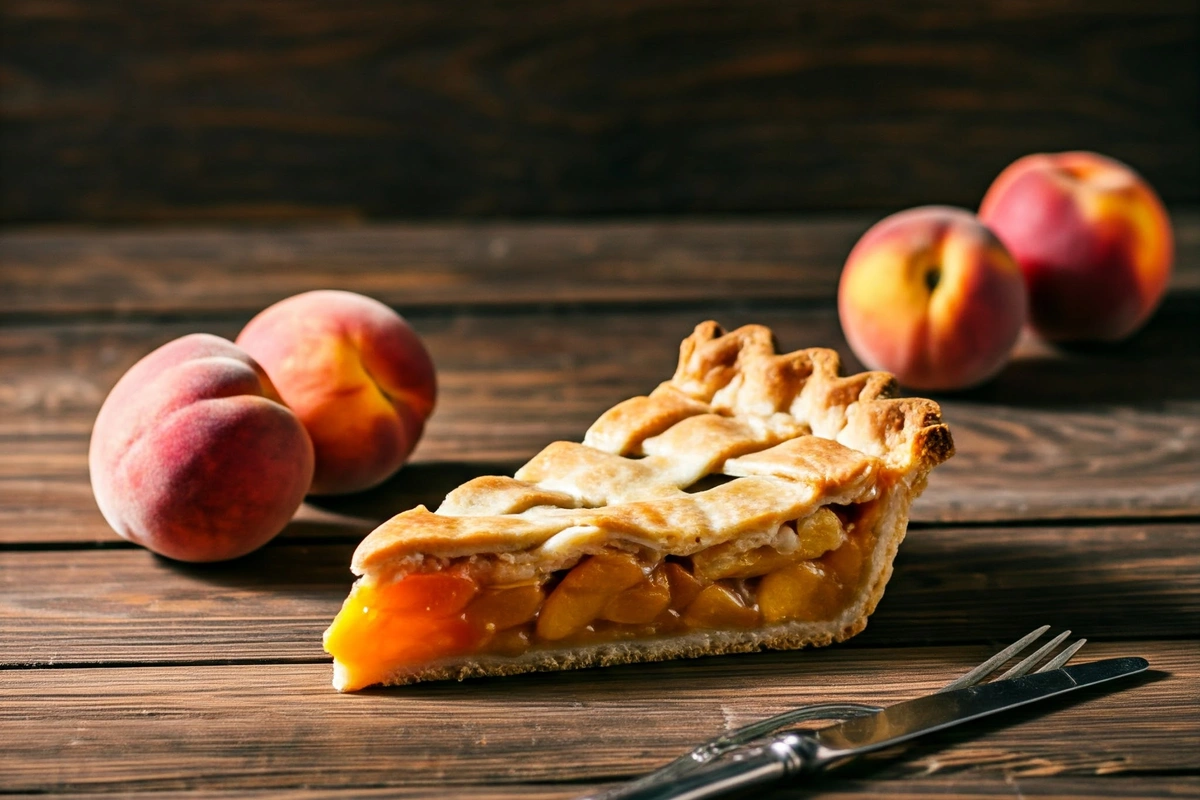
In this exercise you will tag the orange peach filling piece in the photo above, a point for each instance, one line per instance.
(605, 597)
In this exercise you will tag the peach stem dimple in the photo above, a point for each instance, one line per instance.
(933, 276)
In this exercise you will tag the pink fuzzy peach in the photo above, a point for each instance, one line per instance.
(1092, 238)
(194, 456)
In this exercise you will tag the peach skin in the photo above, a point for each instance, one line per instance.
(931, 295)
(355, 373)
(1092, 239)
(194, 456)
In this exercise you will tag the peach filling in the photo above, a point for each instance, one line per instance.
(608, 596)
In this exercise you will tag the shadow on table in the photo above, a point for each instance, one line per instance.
(287, 567)
(1159, 363)
(956, 585)
(423, 483)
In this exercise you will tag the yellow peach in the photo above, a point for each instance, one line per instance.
(931, 295)
(194, 456)
(356, 374)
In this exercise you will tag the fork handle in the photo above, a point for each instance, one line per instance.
(669, 774)
(755, 767)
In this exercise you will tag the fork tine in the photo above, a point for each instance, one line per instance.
(1063, 657)
(995, 662)
(1031, 661)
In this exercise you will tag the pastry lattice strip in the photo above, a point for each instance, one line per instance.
(790, 432)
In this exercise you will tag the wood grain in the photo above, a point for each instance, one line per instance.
(128, 111)
(281, 726)
(219, 271)
(51, 273)
(951, 585)
(947, 787)
(1092, 433)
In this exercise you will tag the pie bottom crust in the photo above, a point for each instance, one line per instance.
(890, 512)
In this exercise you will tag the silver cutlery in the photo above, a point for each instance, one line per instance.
(800, 753)
(673, 774)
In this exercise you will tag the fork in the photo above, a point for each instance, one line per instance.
(726, 742)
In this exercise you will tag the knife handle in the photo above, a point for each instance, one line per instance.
(754, 767)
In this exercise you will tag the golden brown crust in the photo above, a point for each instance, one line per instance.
(731, 395)
(790, 432)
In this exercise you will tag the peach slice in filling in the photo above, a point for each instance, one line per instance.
(409, 621)
(810, 572)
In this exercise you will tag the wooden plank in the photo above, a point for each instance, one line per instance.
(281, 726)
(50, 272)
(951, 585)
(948, 787)
(1091, 433)
(113, 606)
(416, 109)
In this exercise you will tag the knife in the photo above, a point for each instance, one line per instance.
(815, 751)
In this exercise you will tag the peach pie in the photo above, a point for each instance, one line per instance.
(753, 501)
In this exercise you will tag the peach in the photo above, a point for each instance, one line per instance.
(1092, 238)
(355, 373)
(193, 454)
(931, 295)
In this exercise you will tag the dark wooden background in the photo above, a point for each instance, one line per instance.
(143, 110)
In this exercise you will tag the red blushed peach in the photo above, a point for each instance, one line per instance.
(931, 295)
(194, 456)
(355, 373)
(1092, 238)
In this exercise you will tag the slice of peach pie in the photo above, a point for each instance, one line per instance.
(753, 501)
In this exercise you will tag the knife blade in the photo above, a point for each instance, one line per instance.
(795, 754)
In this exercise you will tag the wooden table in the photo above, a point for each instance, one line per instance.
(1074, 500)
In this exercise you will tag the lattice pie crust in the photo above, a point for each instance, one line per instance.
(753, 501)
